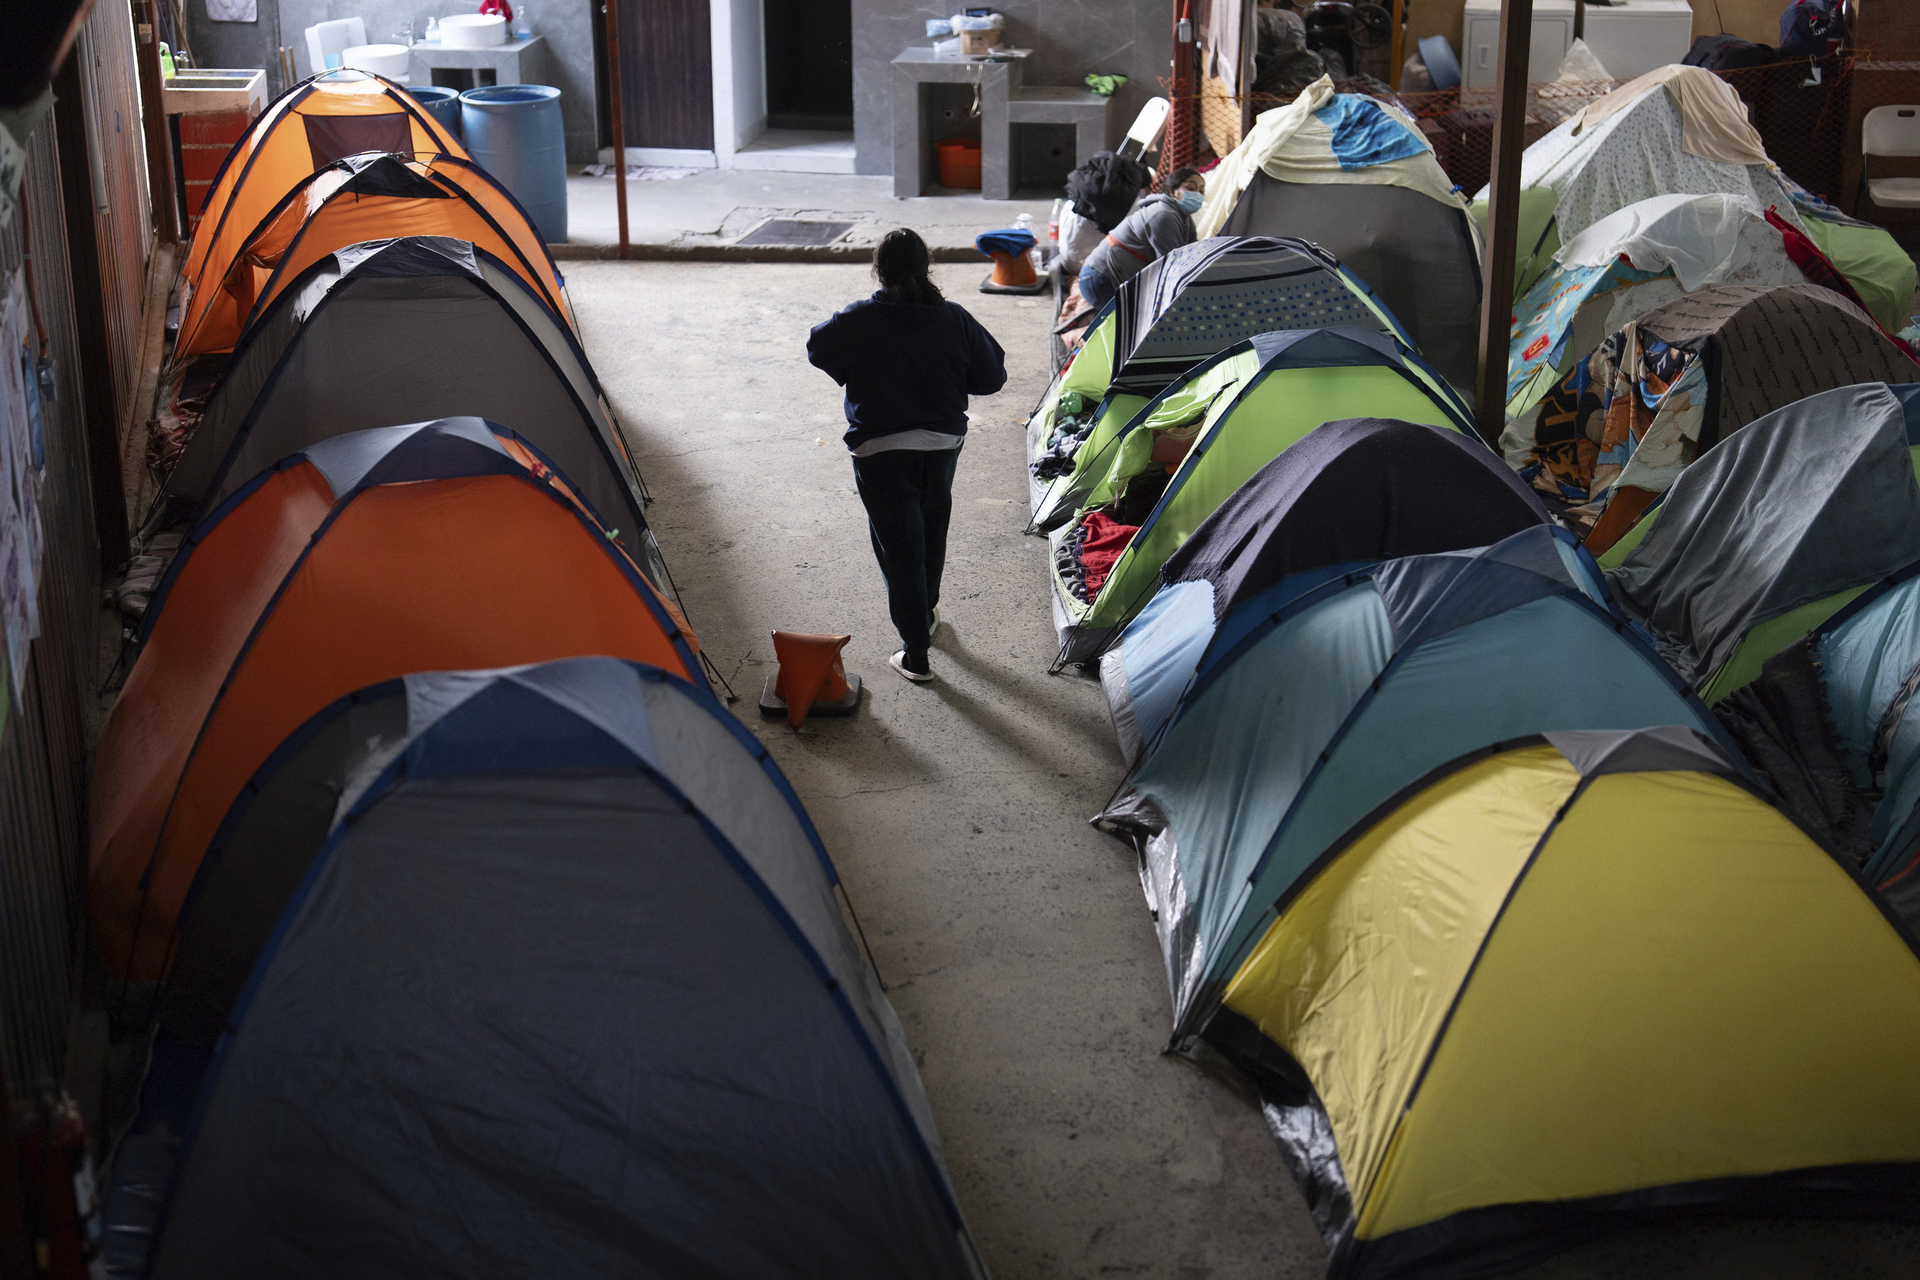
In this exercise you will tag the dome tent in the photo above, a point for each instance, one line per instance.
(1181, 310)
(1508, 1004)
(1355, 176)
(291, 594)
(364, 197)
(322, 119)
(1228, 418)
(1772, 532)
(431, 328)
(1385, 674)
(691, 1068)
(1350, 494)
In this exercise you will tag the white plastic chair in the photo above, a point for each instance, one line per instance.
(327, 40)
(1890, 131)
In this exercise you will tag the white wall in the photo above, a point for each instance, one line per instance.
(739, 75)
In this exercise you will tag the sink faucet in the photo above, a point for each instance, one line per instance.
(405, 33)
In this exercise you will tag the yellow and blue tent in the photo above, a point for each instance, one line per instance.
(1572, 982)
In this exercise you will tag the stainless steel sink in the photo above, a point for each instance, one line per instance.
(214, 89)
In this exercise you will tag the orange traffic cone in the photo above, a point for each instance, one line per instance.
(811, 678)
(1012, 270)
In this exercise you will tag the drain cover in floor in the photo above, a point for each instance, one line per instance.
(793, 231)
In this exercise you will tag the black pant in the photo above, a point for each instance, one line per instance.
(908, 494)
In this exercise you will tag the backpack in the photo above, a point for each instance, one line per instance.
(1728, 53)
(1104, 188)
(1812, 28)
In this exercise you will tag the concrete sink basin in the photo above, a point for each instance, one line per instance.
(214, 89)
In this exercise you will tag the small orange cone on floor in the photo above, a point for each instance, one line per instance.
(811, 676)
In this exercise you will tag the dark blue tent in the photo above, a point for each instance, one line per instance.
(545, 975)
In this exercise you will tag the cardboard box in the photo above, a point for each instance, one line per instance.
(975, 43)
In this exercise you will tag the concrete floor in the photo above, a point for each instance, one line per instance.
(1012, 936)
(717, 206)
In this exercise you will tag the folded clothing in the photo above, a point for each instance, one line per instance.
(1006, 240)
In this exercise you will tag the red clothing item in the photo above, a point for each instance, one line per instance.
(1101, 545)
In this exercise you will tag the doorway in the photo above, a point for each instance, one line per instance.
(809, 53)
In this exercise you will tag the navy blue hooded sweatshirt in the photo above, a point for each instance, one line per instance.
(906, 366)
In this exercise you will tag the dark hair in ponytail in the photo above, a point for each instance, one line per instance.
(901, 263)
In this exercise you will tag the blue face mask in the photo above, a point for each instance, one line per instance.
(1190, 201)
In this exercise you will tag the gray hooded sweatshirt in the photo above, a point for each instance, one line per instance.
(1157, 226)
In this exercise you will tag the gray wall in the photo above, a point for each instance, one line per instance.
(566, 25)
(1069, 38)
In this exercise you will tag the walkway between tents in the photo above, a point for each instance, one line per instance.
(1012, 935)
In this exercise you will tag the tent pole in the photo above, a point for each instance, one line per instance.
(1244, 68)
(616, 113)
(1399, 43)
(1503, 217)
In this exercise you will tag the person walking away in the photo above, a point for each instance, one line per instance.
(908, 359)
(1157, 227)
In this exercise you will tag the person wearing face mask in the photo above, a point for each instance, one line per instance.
(1158, 225)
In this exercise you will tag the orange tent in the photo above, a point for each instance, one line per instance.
(365, 197)
(432, 547)
(322, 119)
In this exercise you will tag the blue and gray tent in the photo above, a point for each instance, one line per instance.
(537, 971)
(408, 330)
(1180, 311)
(1350, 494)
(1329, 706)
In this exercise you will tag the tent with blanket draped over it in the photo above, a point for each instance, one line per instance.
(1575, 982)
(1669, 387)
(431, 328)
(1355, 176)
(1352, 493)
(597, 885)
(431, 546)
(364, 197)
(1384, 675)
(1191, 447)
(1682, 130)
(1180, 310)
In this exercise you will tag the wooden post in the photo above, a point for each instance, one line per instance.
(1503, 217)
(153, 122)
(616, 113)
(1399, 43)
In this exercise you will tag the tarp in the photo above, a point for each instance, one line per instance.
(1506, 1009)
(1225, 421)
(425, 547)
(318, 121)
(681, 1038)
(365, 197)
(408, 330)
(1340, 698)
(1350, 494)
(1806, 503)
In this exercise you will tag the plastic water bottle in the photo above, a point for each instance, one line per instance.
(1053, 229)
(1025, 223)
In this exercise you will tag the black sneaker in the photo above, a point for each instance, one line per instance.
(915, 669)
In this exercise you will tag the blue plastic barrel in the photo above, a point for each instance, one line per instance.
(513, 131)
(442, 104)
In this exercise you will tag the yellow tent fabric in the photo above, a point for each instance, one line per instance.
(1537, 990)
(292, 139)
(336, 208)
